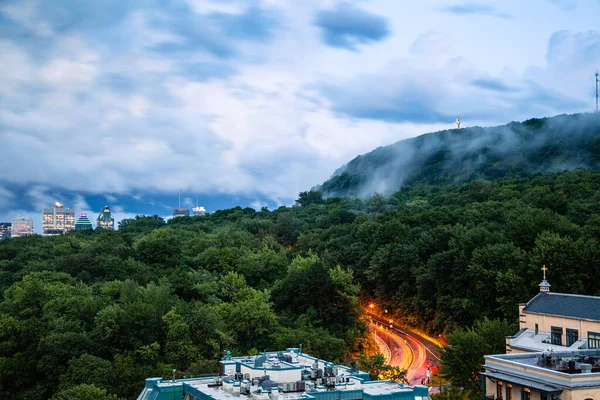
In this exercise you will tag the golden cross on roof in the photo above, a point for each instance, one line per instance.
(544, 269)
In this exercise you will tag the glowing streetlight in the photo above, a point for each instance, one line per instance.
(371, 306)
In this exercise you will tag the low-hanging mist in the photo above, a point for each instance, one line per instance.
(548, 145)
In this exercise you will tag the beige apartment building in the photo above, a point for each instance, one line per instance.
(555, 354)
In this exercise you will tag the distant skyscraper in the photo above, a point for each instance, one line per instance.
(198, 210)
(105, 219)
(83, 223)
(21, 226)
(181, 211)
(5, 230)
(57, 220)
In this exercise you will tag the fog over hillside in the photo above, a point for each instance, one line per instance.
(564, 142)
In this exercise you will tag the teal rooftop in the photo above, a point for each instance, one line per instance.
(283, 375)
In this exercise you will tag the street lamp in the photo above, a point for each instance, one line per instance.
(371, 306)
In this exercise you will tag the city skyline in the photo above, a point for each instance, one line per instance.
(111, 222)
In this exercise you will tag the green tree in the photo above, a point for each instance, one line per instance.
(305, 199)
(462, 358)
(377, 368)
(84, 392)
(88, 369)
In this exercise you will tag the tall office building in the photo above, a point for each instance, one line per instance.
(21, 226)
(5, 230)
(181, 211)
(83, 223)
(105, 219)
(198, 210)
(57, 220)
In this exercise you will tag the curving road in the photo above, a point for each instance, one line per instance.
(405, 349)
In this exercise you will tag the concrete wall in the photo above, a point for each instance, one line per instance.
(283, 375)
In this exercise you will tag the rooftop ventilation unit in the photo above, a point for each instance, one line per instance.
(585, 368)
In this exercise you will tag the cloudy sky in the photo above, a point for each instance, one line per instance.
(249, 102)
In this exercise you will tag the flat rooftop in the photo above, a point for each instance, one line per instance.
(353, 390)
(528, 340)
(568, 362)
(288, 375)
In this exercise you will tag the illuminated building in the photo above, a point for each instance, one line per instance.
(21, 226)
(198, 210)
(83, 223)
(105, 219)
(5, 230)
(57, 220)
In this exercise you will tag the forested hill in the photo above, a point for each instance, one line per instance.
(99, 311)
(518, 149)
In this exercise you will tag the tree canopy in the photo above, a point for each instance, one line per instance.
(81, 308)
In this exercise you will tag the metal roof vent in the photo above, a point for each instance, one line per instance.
(585, 368)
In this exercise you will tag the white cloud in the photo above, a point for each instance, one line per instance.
(220, 6)
(26, 13)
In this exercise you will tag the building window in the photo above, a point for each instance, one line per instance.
(572, 336)
(537, 329)
(594, 340)
(499, 389)
(556, 335)
(509, 392)
(526, 394)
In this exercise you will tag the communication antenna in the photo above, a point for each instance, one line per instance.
(596, 91)
(196, 200)
(179, 199)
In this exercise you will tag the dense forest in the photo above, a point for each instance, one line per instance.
(548, 145)
(100, 310)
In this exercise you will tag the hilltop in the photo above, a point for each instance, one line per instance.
(517, 149)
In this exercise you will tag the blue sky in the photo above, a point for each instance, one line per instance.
(250, 102)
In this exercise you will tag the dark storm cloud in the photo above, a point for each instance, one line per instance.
(406, 104)
(348, 26)
(495, 85)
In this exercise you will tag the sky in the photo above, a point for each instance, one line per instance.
(250, 102)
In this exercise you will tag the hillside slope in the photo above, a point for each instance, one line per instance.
(564, 142)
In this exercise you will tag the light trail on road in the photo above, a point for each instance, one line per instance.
(385, 349)
(407, 351)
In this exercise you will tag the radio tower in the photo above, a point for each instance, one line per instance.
(596, 91)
